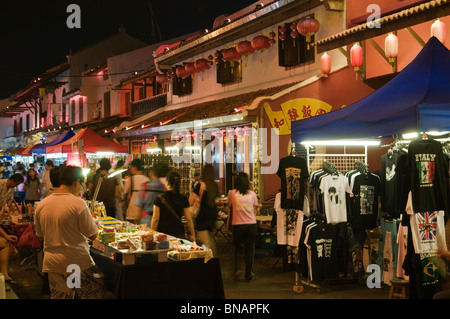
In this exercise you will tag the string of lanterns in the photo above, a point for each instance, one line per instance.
(438, 30)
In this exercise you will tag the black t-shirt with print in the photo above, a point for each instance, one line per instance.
(390, 183)
(168, 223)
(428, 173)
(323, 240)
(293, 172)
(366, 190)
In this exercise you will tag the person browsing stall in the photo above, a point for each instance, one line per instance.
(131, 187)
(169, 208)
(65, 230)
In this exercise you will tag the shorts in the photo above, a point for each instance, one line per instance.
(92, 285)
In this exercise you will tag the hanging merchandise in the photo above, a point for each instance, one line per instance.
(293, 172)
(427, 168)
(391, 182)
(334, 188)
(364, 203)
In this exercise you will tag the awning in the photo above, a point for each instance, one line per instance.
(416, 100)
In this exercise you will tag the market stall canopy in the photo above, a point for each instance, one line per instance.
(92, 143)
(416, 100)
(41, 148)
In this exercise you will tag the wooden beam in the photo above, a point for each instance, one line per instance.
(398, 23)
(379, 49)
(415, 36)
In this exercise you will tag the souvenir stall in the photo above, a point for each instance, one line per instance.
(412, 182)
(134, 258)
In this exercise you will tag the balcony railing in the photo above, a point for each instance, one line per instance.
(149, 105)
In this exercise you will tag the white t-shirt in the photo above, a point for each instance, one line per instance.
(334, 188)
(289, 222)
(65, 223)
(138, 180)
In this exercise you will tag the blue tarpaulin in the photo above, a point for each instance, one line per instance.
(41, 148)
(415, 100)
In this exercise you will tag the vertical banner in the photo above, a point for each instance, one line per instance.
(255, 159)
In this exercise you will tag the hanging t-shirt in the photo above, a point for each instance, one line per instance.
(334, 188)
(402, 241)
(428, 171)
(427, 229)
(289, 222)
(293, 172)
(390, 183)
(322, 242)
(366, 190)
(388, 260)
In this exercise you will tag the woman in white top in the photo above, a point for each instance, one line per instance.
(131, 186)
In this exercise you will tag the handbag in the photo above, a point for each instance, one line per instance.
(29, 238)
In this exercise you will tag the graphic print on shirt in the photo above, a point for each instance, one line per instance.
(390, 173)
(291, 221)
(323, 247)
(335, 195)
(367, 193)
(430, 271)
(427, 223)
(293, 183)
(426, 167)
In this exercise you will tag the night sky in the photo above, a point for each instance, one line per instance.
(35, 36)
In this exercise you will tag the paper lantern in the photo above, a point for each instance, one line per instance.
(245, 48)
(356, 56)
(230, 54)
(391, 47)
(202, 64)
(308, 27)
(162, 78)
(190, 68)
(181, 72)
(325, 64)
(439, 30)
(261, 43)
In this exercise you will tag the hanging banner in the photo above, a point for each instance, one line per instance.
(293, 110)
(277, 120)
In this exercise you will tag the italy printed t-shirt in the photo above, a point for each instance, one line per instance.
(334, 188)
(293, 172)
(428, 171)
(427, 229)
(366, 190)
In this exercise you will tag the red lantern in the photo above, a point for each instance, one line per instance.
(272, 34)
(356, 56)
(181, 72)
(308, 27)
(245, 48)
(439, 30)
(272, 41)
(325, 64)
(190, 68)
(391, 47)
(162, 78)
(202, 64)
(210, 57)
(230, 54)
(260, 43)
(294, 34)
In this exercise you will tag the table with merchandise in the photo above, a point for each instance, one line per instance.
(140, 263)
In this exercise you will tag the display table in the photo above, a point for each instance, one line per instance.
(189, 279)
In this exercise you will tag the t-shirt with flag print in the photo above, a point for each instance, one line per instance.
(428, 173)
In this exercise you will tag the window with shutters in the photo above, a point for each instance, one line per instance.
(294, 51)
(182, 86)
(73, 112)
(229, 72)
(81, 110)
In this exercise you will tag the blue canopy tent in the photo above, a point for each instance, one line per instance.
(41, 148)
(416, 100)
